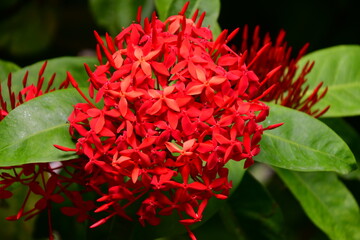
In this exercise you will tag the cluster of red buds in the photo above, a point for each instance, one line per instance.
(28, 92)
(290, 89)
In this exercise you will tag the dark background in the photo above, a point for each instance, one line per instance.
(321, 23)
(69, 25)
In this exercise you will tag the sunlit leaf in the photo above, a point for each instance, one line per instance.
(339, 68)
(327, 202)
(303, 143)
(29, 132)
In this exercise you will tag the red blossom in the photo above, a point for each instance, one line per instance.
(80, 209)
(48, 193)
(177, 106)
(263, 56)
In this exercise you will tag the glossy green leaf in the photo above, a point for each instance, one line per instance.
(326, 201)
(339, 68)
(29, 132)
(75, 65)
(6, 68)
(254, 211)
(166, 8)
(303, 143)
(115, 15)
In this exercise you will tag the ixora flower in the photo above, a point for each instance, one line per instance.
(290, 88)
(176, 107)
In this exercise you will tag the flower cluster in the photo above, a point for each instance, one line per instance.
(175, 108)
(171, 108)
(289, 81)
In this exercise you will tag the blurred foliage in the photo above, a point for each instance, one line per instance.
(167, 8)
(7, 67)
(321, 23)
(16, 230)
(29, 26)
(36, 29)
(114, 15)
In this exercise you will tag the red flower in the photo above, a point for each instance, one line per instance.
(289, 80)
(47, 193)
(80, 209)
(177, 107)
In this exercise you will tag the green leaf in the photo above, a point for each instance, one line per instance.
(339, 68)
(303, 143)
(167, 8)
(75, 65)
(114, 15)
(163, 8)
(326, 201)
(29, 132)
(6, 68)
(253, 210)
